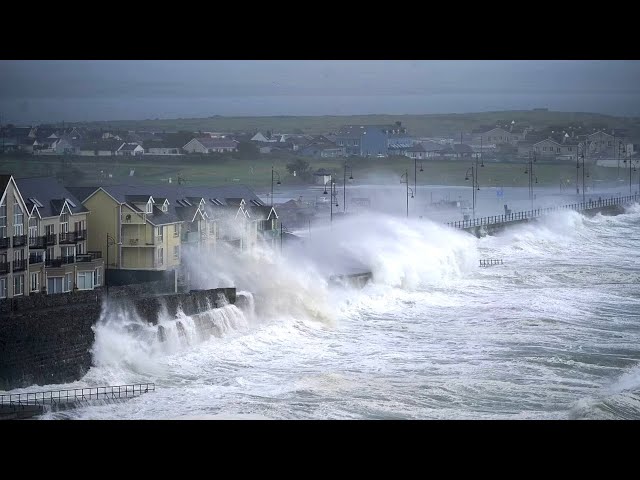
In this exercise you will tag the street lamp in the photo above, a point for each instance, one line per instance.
(415, 172)
(405, 175)
(333, 196)
(474, 185)
(272, 173)
(580, 155)
(532, 159)
(110, 241)
(344, 185)
(630, 162)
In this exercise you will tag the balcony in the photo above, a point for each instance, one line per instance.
(35, 258)
(4, 242)
(133, 218)
(139, 242)
(65, 238)
(59, 262)
(4, 268)
(19, 240)
(80, 235)
(88, 257)
(37, 242)
(19, 265)
(50, 239)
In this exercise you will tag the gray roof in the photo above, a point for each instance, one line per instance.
(209, 142)
(49, 193)
(81, 193)
(129, 147)
(228, 195)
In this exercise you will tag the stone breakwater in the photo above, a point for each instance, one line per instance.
(46, 339)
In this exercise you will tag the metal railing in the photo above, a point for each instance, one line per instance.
(4, 242)
(19, 240)
(4, 268)
(50, 239)
(527, 215)
(53, 397)
(36, 258)
(58, 262)
(88, 257)
(490, 262)
(19, 265)
(37, 242)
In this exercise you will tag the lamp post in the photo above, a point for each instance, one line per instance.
(333, 196)
(405, 175)
(532, 159)
(474, 185)
(273, 172)
(628, 160)
(344, 186)
(110, 241)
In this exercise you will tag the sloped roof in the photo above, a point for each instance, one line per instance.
(50, 194)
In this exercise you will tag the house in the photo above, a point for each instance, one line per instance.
(500, 135)
(157, 225)
(416, 152)
(373, 140)
(457, 150)
(550, 147)
(210, 145)
(99, 148)
(162, 148)
(130, 149)
(264, 138)
(48, 249)
(319, 149)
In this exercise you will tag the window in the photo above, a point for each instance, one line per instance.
(80, 249)
(570, 149)
(3, 288)
(159, 233)
(18, 285)
(558, 149)
(3, 221)
(149, 207)
(18, 255)
(164, 207)
(18, 218)
(68, 251)
(160, 256)
(176, 252)
(54, 285)
(68, 282)
(85, 280)
(35, 282)
(33, 227)
(64, 223)
(544, 148)
(50, 229)
(212, 228)
(97, 277)
(176, 229)
(79, 226)
(609, 144)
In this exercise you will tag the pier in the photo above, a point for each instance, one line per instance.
(491, 224)
(30, 404)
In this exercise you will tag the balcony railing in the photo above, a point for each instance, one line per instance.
(50, 239)
(36, 258)
(88, 257)
(80, 235)
(67, 237)
(4, 268)
(37, 242)
(19, 240)
(19, 265)
(60, 261)
(4, 242)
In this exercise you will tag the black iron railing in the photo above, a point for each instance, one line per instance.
(489, 262)
(19, 265)
(80, 235)
(50, 239)
(19, 240)
(58, 262)
(53, 397)
(36, 258)
(527, 215)
(37, 242)
(88, 257)
(67, 237)
(4, 268)
(4, 242)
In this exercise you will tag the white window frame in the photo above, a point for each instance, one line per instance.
(18, 280)
(64, 223)
(35, 275)
(97, 277)
(149, 208)
(18, 218)
(176, 229)
(160, 257)
(67, 282)
(53, 279)
(85, 274)
(3, 287)
(3, 220)
(176, 252)
(159, 233)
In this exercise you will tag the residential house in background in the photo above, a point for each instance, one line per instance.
(14, 250)
(130, 149)
(373, 140)
(210, 145)
(99, 148)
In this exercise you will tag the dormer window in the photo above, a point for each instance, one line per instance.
(149, 207)
(164, 207)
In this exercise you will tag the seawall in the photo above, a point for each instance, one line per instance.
(46, 339)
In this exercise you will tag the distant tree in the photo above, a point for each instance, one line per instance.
(301, 167)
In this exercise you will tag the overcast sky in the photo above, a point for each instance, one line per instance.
(51, 90)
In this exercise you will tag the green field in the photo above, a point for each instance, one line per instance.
(257, 173)
(419, 125)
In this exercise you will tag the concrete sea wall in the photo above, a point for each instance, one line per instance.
(46, 339)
